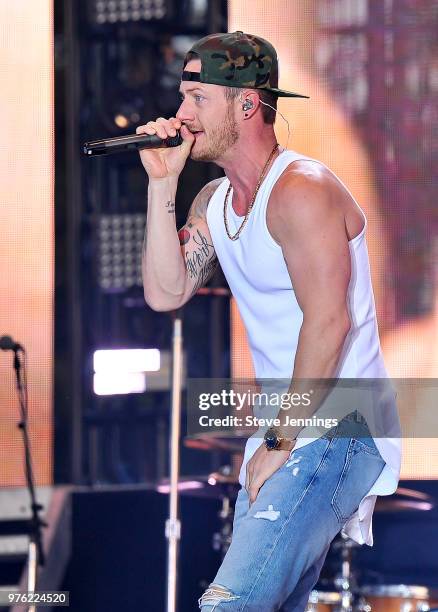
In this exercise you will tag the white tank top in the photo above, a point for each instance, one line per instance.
(259, 280)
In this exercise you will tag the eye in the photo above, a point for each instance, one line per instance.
(198, 97)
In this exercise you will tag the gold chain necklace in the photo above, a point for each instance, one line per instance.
(262, 176)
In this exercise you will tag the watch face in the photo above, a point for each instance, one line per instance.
(271, 439)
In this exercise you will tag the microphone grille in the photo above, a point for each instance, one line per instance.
(174, 141)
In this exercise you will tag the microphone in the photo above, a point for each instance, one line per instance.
(134, 142)
(7, 344)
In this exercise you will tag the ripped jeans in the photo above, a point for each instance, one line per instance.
(280, 543)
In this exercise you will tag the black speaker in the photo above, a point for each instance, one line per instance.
(119, 550)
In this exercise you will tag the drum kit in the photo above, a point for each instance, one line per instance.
(394, 598)
(347, 596)
(344, 595)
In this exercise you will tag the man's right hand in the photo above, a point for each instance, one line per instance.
(162, 163)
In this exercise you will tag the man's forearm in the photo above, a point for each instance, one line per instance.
(162, 265)
(317, 357)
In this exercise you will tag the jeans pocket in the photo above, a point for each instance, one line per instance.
(367, 445)
(363, 464)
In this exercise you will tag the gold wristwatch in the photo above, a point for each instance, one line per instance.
(273, 440)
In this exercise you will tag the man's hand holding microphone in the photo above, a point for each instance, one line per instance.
(169, 161)
(155, 135)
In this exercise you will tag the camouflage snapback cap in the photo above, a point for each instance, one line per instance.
(236, 59)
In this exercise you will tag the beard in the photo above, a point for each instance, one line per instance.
(218, 140)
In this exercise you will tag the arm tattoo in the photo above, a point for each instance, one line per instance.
(200, 258)
(170, 206)
(201, 262)
(205, 273)
(184, 236)
(200, 203)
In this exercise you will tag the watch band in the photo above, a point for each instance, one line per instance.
(286, 444)
(274, 441)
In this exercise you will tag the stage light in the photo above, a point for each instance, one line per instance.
(187, 485)
(120, 251)
(123, 371)
(151, 372)
(121, 121)
(118, 383)
(115, 11)
(121, 361)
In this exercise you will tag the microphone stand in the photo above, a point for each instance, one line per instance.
(35, 550)
(173, 524)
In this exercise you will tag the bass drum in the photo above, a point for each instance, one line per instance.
(323, 601)
(396, 598)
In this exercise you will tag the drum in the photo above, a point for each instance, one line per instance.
(323, 601)
(396, 598)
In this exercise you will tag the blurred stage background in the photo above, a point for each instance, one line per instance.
(72, 232)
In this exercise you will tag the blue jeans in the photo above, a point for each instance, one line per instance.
(280, 543)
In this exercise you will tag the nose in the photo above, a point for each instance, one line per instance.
(184, 114)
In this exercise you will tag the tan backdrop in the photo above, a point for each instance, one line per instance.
(320, 129)
(26, 219)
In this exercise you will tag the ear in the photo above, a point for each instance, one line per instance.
(250, 102)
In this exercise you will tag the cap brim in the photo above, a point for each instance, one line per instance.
(198, 77)
(282, 93)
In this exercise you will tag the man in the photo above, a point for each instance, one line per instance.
(290, 240)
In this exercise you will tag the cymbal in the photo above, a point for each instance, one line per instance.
(405, 500)
(211, 443)
(402, 505)
(221, 478)
(205, 485)
(413, 494)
